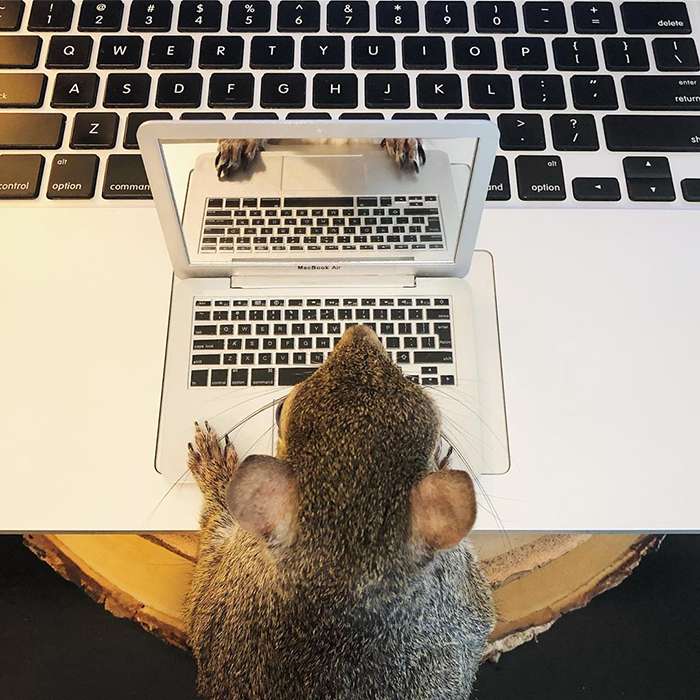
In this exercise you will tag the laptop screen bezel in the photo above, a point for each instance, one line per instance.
(152, 134)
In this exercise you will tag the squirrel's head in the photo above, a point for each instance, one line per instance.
(356, 476)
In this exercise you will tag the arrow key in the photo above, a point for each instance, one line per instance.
(649, 190)
(641, 168)
(596, 189)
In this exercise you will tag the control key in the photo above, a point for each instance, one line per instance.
(20, 176)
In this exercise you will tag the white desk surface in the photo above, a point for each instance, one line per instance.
(600, 333)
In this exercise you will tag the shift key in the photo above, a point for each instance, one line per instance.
(20, 175)
(31, 130)
(125, 178)
(72, 177)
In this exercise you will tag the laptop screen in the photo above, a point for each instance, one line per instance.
(246, 201)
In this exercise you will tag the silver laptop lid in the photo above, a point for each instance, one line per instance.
(376, 198)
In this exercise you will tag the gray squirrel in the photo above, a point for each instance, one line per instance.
(338, 570)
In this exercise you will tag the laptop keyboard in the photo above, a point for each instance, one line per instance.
(578, 89)
(346, 224)
(280, 342)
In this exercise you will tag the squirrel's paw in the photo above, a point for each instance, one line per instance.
(408, 153)
(235, 154)
(210, 465)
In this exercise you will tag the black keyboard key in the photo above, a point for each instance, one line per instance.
(574, 132)
(289, 376)
(317, 202)
(283, 90)
(596, 189)
(22, 89)
(655, 17)
(495, 17)
(521, 132)
(28, 130)
(324, 52)
(387, 90)
(199, 377)
(575, 54)
(135, 120)
(691, 189)
(239, 377)
(661, 92)
(594, 92)
(542, 92)
(651, 190)
(676, 54)
(448, 17)
(540, 178)
(262, 377)
(651, 168)
(298, 16)
(94, 130)
(439, 91)
(491, 92)
(145, 16)
(75, 90)
(20, 175)
(51, 16)
(68, 52)
(72, 176)
(499, 186)
(221, 52)
(474, 53)
(171, 51)
(376, 52)
(251, 16)
(525, 53)
(194, 116)
(335, 91)
(426, 53)
(432, 357)
(594, 18)
(544, 17)
(119, 52)
(272, 52)
(625, 54)
(100, 16)
(231, 90)
(397, 17)
(350, 16)
(125, 178)
(631, 132)
(127, 90)
(199, 16)
(11, 15)
(19, 51)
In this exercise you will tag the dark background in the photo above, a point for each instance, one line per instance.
(639, 641)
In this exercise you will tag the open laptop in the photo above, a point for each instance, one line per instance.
(321, 231)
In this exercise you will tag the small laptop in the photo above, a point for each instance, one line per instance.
(322, 230)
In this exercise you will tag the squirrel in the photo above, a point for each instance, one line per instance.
(338, 569)
(238, 154)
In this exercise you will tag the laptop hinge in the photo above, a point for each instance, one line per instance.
(269, 281)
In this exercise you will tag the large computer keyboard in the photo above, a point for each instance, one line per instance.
(280, 342)
(595, 101)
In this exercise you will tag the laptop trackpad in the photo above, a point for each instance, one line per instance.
(345, 173)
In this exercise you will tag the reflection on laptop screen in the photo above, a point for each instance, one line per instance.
(355, 199)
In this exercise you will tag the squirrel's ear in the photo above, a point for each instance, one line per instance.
(443, 509)
(262, 497)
